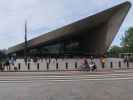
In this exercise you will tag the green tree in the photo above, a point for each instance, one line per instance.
(114, 51)
(127, 41)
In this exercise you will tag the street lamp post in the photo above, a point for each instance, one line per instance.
(26, 43)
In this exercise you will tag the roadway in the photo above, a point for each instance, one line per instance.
(116, 85)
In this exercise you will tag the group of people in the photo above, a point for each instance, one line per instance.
(86, 64)
(90, 66)
(7, 63)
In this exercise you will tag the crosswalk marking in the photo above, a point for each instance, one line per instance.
(64, 80)
(59, 78)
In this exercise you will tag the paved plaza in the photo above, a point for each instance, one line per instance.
(66, 85)
(62, 64)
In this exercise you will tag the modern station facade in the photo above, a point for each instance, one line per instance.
(89, 36)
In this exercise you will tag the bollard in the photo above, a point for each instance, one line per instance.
(28, 66)
(66, 65)
(9, 67)
(47, 65)
(111, 65)
(119, 64)
(57, 66)
(103, 65)
(1, 67)
(19, 66)
(14, 68)
(76, 65)
(38, 66)
(127, 64)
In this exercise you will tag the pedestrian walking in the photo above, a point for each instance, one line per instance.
(102, 60)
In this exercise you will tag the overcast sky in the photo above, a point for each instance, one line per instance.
(47, 15)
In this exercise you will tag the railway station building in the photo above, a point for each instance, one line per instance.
(92, 35)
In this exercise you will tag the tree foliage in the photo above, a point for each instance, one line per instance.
(115, 50)
(126, 44)
(127, 41)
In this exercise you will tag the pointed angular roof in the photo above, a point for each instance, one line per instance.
(73, 28)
